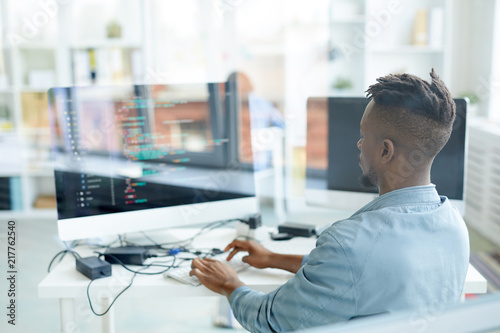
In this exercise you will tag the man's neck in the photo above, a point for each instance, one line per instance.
(393, 183)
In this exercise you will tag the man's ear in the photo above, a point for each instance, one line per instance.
(387, 151)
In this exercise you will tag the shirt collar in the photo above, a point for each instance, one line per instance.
(424, 194)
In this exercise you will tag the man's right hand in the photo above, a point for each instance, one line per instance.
(258, 256)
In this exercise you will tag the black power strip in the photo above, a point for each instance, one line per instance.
(296, 229)
(93, 267)
(126, 255)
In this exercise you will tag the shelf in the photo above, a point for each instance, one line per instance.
(10, 173)
(349, 20)
(34, 90)
(10, 131)
(266, 50)
(24, 89)
(405, 49)
(39, 45)
(34, 131)
(96, 44)
(41, 173)
(42, 214)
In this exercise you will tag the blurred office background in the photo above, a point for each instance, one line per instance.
(287, 51)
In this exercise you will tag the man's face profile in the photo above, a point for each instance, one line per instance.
(366, 145)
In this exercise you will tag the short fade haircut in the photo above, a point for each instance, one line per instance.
(420, 114)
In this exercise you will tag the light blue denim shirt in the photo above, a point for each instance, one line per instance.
(407, 249)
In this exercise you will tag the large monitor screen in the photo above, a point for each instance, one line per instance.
(139, 148)
(334, 166)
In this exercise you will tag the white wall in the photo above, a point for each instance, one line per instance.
(472, 48)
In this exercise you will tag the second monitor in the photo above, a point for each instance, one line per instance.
(333, 172)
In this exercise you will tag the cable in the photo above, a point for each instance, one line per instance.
(189, 240)
(129, 285)
(138, 272)
(114, 300)
(207, 228)
(152, 241)
(63, 253)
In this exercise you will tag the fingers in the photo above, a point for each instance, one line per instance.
(238, 245)
(243, 245)
(199, 267)
(197, 263)
(232, 254)
(195, 268)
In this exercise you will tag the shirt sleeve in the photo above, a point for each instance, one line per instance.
(321, 292)
(304, 260)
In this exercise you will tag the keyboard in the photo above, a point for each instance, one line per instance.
(182, 273)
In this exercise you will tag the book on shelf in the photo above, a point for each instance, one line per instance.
(5, 203)
(35, 107)
(420, 33)
(428, 27)
(5, 117)
(106, 65)
(45, 201)
(10, 193)
(81, 67)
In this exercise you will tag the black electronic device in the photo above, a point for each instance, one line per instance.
(93, 267)
(281, 236)
(297, 229)
(126, 255)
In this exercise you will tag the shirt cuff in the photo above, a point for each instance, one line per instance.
(304, 260)
(236, 292)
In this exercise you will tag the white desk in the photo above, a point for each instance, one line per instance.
(67, 284)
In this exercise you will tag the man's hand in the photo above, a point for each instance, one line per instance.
(258, 256)
(216, 276)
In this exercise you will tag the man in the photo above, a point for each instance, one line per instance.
(407, 249)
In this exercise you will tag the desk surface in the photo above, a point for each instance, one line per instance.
(65, 282)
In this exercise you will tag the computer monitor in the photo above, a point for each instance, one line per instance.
(333, 172)
(138, 158)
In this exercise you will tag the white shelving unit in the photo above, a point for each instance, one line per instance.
(39, 63)
(375, 38)
(366, 39)
(75, 41)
